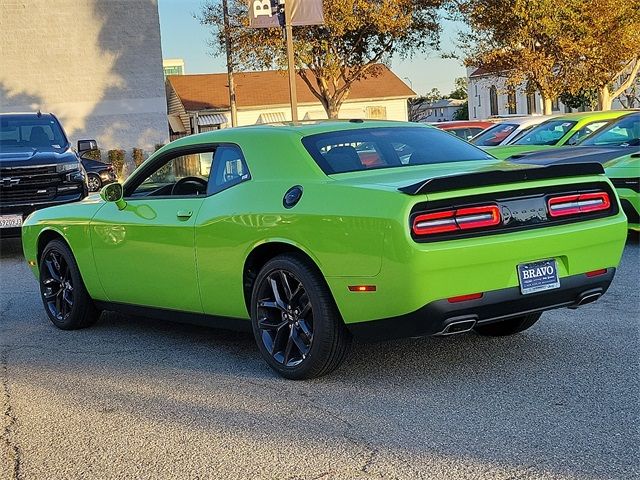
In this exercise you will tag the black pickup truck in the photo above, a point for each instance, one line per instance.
(38, 167)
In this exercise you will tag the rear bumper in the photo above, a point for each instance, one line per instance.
(439, 316)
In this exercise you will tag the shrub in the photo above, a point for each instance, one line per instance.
(93, 155)
(116, 158)
(138, 156)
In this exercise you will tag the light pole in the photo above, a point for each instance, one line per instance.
(407, 79)
(232, 88)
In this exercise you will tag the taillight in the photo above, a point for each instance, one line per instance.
(454, 220)
(578, 203)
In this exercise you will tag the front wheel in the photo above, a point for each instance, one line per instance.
(94, 183)
(65, 298)
(295, 322)
(509, 326)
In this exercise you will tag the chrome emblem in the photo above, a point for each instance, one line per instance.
(9, 182)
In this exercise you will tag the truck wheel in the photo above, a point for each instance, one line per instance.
(508, 327)
(64, 295)
(94, 182)
(295, 321)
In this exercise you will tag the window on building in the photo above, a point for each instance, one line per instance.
(555, 104)
(531, 103)
(493, 100)
(376, 113)
(512, 101)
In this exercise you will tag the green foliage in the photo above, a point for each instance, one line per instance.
(587, 99)
(357, 35)
(463, 112)
(460, 92)
(116, 158)
(138, 156)
(158, 146)
(93, 155)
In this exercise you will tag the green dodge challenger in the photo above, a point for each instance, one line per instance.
(310, 235)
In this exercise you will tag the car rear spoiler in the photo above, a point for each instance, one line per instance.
(500, 177)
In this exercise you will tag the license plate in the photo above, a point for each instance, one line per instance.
(538, 276)
(10, 221)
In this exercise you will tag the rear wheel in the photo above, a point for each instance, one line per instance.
(64, 295)
(507, 327)
(94, 182)
(295, 322)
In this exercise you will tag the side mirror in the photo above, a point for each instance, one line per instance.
(86, 146)
(113, 193)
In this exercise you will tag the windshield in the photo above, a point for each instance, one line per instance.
(20, 132)
(547, 133)
(388, 147)
(624, 132)
(495, 135)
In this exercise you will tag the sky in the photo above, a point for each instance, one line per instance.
(184, 37)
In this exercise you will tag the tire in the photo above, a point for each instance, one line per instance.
(94, 182)
(507, 327)
(71, 307)
(299, 331)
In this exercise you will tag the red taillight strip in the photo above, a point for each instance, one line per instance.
(465, 298)
(578, 203)
(596, 273)
(454, 220)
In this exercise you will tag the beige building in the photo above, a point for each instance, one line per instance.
(96, 64)
(201, 102)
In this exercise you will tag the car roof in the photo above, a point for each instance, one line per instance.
(300, 129)
(600, 115)
(462, 123)
(526, 121)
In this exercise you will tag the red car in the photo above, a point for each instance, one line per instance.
(465, 129)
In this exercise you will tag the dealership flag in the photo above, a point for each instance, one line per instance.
(268, 13)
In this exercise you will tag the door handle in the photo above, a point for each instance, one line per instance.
(184, 214)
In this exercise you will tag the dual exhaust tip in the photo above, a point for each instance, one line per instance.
(466, 324)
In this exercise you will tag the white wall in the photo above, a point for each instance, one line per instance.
(96, 64)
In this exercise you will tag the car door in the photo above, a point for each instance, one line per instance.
(145, 253)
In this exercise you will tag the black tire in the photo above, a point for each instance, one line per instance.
(300, 332)
(507, 327)
(65, 298)
(94, 182)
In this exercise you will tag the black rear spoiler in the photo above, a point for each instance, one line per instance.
(500, 177)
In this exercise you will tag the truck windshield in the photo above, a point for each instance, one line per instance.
(388, 147)
(31, 132)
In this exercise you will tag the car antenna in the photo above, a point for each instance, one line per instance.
(39, 112)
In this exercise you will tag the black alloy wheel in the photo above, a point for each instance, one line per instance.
(285, 318)
(65, 298)
(295, 321)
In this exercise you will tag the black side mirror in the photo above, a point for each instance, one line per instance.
(86, 146)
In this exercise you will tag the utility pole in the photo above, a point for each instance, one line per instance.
(232, 88)
(290, 60)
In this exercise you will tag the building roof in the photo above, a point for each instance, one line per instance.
(445, 102)
(271, 87)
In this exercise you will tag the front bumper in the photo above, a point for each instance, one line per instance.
(439, 316)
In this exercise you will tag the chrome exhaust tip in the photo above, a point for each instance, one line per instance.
(460, 326)
(587, 297)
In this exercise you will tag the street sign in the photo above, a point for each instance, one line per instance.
(270, 13)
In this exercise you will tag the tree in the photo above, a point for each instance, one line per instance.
(356, 37)
(607, 49)
(463, 112)
(584, 98)
(460, 92)
(557, 47)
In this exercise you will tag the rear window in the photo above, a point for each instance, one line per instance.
(373, 148)
(495, 135)
(623, 132)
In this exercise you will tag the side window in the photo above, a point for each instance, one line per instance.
(585, 132)
(229, 168)
(183, 175)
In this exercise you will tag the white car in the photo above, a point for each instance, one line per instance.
(506, 131)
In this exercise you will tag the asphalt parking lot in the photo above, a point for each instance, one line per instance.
(137, 398)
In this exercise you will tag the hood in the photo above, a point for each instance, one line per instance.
(603, 155)
(33, 158)
(509, 150)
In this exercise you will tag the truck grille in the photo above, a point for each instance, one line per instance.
(28, 184)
